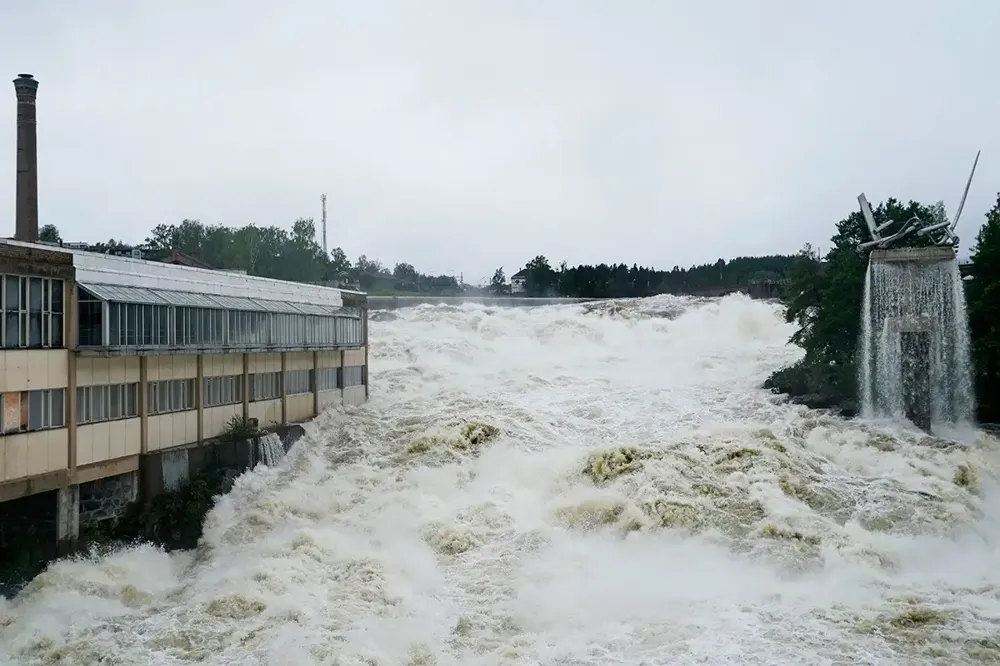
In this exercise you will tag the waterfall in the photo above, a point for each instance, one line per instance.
(915, 342)
(175, 470)
(270, 449)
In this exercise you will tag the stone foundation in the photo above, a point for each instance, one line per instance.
(38, 527)
(107, 499)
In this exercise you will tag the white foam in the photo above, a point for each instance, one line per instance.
(792, 538)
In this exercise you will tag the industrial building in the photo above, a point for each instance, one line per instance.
(108, 360)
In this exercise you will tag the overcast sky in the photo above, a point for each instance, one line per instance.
(462, 135)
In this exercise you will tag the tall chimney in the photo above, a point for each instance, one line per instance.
(26, 215)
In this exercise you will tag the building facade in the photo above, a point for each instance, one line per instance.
(108, 359)
(519, 282)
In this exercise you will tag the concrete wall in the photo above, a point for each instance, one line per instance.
(260, 363)
(33, 453)
(300, 407)
(165, 431)
(100, 371)
(166, 470)
(299, 361)
(97, 442)
(355, 395)
(329, 398)
(162, 368)
(267, 412)
(216, 419)
(33, 369)
(220, 365)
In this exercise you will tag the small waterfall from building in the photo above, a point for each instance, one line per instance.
(270, 449)
(915, 356)
(175, 470)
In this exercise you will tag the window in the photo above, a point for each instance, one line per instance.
(106, 403)
(326, 379)
(46, 409)
(298, 381)
(137, 325)
(173, 395)
(227, 390)
(32, 309)
(33, 410)
(349, 331)
(264, 386)
(354, 375)
(140, 325)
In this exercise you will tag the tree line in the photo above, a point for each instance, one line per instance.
(270, 251)
(621, 281)
(825, 297)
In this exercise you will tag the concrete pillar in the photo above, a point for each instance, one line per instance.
(199, 395)
(281, 388)
(364, 338)
(71, 333)
(143, 399)
(67, 518)
(246, 386)
(340, 375)
(315, 384)
(916, 377)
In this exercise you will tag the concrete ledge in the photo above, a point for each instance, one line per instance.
(106, 468)
(927, 255)
(34, 485)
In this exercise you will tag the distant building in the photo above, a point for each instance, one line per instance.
(180, 259)
(518, 281)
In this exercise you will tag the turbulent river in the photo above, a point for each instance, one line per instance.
(563, 485)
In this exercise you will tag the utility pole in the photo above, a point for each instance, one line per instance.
(322, 199)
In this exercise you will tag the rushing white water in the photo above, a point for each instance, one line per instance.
(738, 530)
(923, 294)
(270, 449)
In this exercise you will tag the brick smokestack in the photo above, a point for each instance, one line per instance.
(26, 215)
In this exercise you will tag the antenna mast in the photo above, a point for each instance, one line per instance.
(322, 199)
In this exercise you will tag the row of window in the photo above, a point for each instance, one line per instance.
(39, 410)
(32, 312)
(106, 403)
(171, 395)
(228, 389)
(135, 325)
(33, 410)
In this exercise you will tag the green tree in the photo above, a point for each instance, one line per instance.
(541, 278)
(498, 283)
(339, 265)
(806, 280)
(373, 267)
(983, 296)
(50, 234)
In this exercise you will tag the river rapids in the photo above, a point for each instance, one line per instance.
(562, 485)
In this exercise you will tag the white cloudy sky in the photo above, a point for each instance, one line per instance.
(462, 135)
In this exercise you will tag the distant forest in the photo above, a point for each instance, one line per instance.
(270, 251)
(620, 281)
